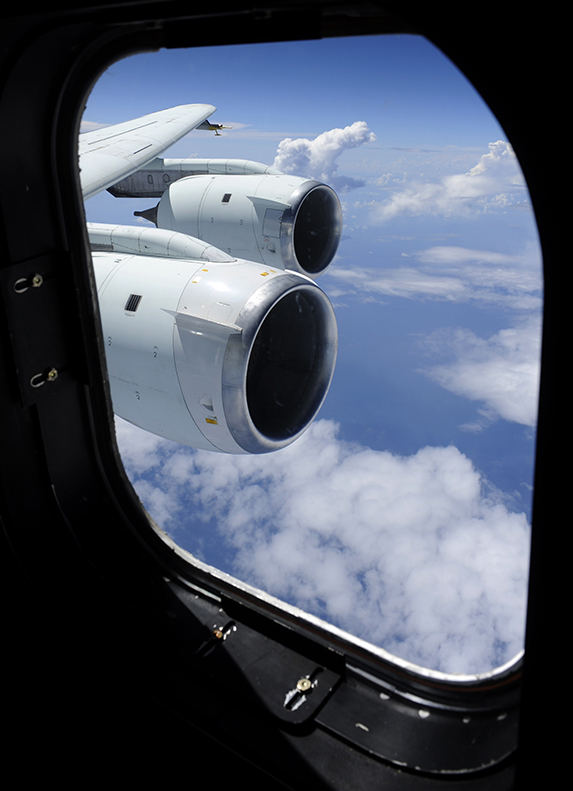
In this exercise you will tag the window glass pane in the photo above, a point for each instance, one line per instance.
(402, 514)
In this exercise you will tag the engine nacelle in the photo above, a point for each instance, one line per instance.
(228, 356)
(278, 220)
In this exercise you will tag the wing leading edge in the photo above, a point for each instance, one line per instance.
(110, 154)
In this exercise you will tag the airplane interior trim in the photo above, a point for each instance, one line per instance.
(124, 658)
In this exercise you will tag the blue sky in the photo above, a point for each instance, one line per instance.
(402, 515)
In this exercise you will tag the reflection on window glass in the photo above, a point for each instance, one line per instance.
(402, 514)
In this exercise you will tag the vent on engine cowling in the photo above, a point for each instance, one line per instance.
(133, 302)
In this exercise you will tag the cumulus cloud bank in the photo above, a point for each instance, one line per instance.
(410, 553)
(502, 371)
(494, 183)
(317, 158)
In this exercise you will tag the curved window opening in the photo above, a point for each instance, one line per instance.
(401, 516)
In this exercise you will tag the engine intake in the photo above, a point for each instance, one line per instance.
(277, 373)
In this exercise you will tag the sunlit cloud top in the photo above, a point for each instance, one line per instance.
(493, 184)
(317, 158)
(411, 553)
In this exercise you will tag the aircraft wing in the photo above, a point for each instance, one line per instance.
(110, 154)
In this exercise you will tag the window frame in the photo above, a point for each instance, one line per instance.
(63, 449)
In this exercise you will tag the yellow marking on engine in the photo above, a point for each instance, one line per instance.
(264, 274)
(212, 420)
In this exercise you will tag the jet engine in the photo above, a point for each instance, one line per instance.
(275, 219)
(223, 354)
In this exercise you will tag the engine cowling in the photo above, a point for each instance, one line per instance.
(229, 355)
(278, 220)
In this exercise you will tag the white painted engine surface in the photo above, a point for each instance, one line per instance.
(278, 220)
(229, 355)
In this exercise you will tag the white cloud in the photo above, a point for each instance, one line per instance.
(494, 183)
(501, 371)
(453, 274)
(140, 450)
(317, 158)
(408, 553)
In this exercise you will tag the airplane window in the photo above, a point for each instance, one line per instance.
(401, 515)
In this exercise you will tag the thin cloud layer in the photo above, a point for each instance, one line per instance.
(317, 158)
(501, 371)
(409, 553)
(494, 183)
(452, 274)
